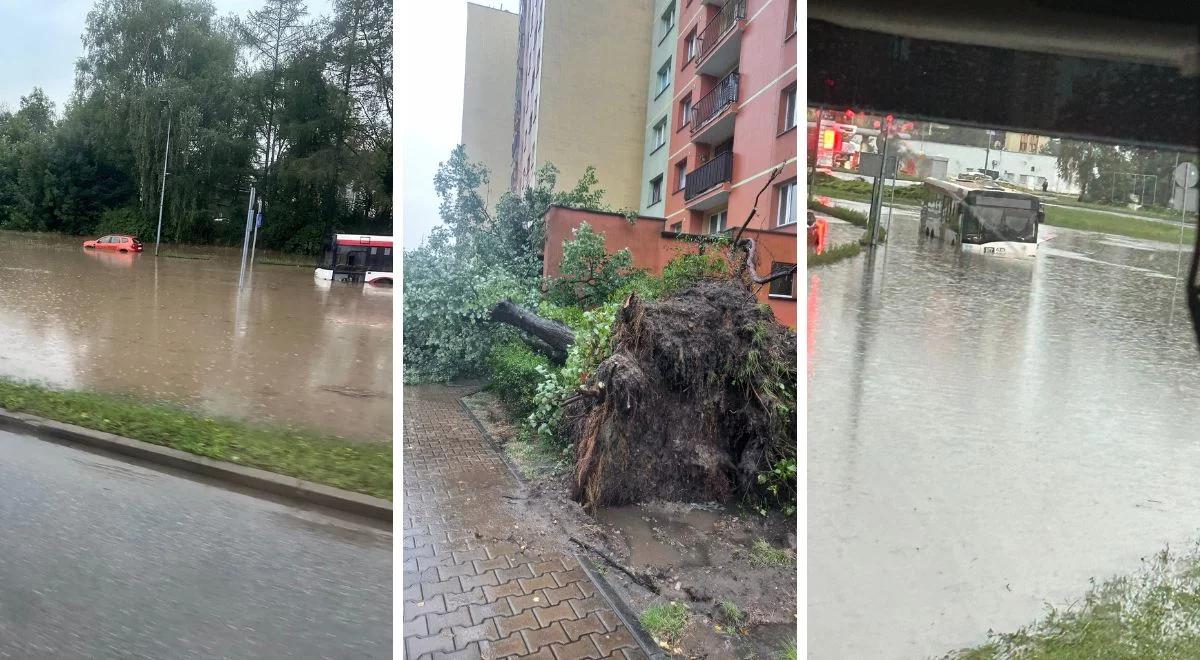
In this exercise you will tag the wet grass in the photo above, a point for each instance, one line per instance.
(834, 254)
(1154, 613)
(665, 621)
(363, 468)
(765, 554)
(535, 459)
(1089, 220)
(296, 263)
(733, 616)
(788, 652)
(176, 255)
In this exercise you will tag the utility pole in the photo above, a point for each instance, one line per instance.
(254, 242)
(163, 194)
(246, 239)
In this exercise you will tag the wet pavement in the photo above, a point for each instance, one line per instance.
(103, 559)
(986, 435)
(287, 350)
(475, 586)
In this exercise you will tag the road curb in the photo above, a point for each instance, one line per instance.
(269, 482)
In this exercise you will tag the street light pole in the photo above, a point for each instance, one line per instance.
(163, 194)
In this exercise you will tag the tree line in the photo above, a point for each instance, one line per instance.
(296, 105)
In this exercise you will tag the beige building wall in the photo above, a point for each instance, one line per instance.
(489, 89)
(588, 105)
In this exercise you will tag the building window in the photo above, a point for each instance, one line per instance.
(677, 227)
(681, 174)
(664, 78)
(690, 46)
(783, 287)
(787, 204)
(659, 136)
(787, 108)
(716, 221)
(793, 22)
(667, 21)
(685, 111)
(656, 190)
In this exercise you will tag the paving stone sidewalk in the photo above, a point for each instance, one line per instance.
(470, 591)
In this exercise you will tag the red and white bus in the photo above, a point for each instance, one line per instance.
(357, 258)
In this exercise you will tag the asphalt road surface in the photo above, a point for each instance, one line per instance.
(100, 558)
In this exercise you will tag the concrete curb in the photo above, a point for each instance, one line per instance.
(269, 482)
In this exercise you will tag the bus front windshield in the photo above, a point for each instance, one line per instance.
(998, 223)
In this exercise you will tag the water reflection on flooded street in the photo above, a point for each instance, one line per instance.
(286, 349)
(985, 435)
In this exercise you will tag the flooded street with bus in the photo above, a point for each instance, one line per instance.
(986, 435)
(287, 350)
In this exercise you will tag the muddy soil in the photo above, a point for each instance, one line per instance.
(696, 554)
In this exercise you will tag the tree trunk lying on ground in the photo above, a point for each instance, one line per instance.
(696, 400)
(548, 337)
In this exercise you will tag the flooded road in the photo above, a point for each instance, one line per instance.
(985, 435)
(287, 350)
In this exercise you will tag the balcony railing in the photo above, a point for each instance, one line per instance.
(714, 103)
(716, 171)
(710, 36)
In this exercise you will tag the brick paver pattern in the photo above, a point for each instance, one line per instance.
(470, 589)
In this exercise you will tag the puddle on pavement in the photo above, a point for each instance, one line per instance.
(656, 539)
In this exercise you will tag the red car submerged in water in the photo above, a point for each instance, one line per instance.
(816, 232)
(115, 243)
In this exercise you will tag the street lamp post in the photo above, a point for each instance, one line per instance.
(163, 193)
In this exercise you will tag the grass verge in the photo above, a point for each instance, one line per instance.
(765, 554)
(534, 459)
(1089, 220)
(665, 621)
(834, 254)
(176, 255)
(363, 468)
(285, 262)
(1154, 613)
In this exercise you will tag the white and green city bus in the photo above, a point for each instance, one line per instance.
(982, 217)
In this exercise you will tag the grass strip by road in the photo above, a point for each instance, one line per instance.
(834, 254)
(1088, 220)
(1154, 613)
(362, 468)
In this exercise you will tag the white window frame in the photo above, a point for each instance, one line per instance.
(722, 218)
(687, 110)
(664, 77)
(659, 135)
(691, 46)
(681, 174)
(656, 184)
(667, 20)
(789, 108)
(787, 212)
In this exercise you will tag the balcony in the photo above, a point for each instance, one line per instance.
(713, 115)
(708, 185)
(720, 42)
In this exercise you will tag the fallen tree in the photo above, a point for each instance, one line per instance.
(548, 337)
(696, 401)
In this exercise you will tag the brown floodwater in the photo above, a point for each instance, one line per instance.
(285, 350)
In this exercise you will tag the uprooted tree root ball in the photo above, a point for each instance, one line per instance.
(696, 401)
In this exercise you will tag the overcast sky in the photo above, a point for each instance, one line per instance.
(430, 102)
(40, 41)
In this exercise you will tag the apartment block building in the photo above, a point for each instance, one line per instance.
(661, 83)
(734, 115)
(581, 93)
(489, 91)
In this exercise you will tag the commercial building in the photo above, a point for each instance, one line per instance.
(489, 91)
(735, 117)
(661, 81)
(581, 93)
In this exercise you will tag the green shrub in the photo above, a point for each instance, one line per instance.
(588, 273)
(127, 221)
(593, 343)
(565, 314)
(515, 374)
